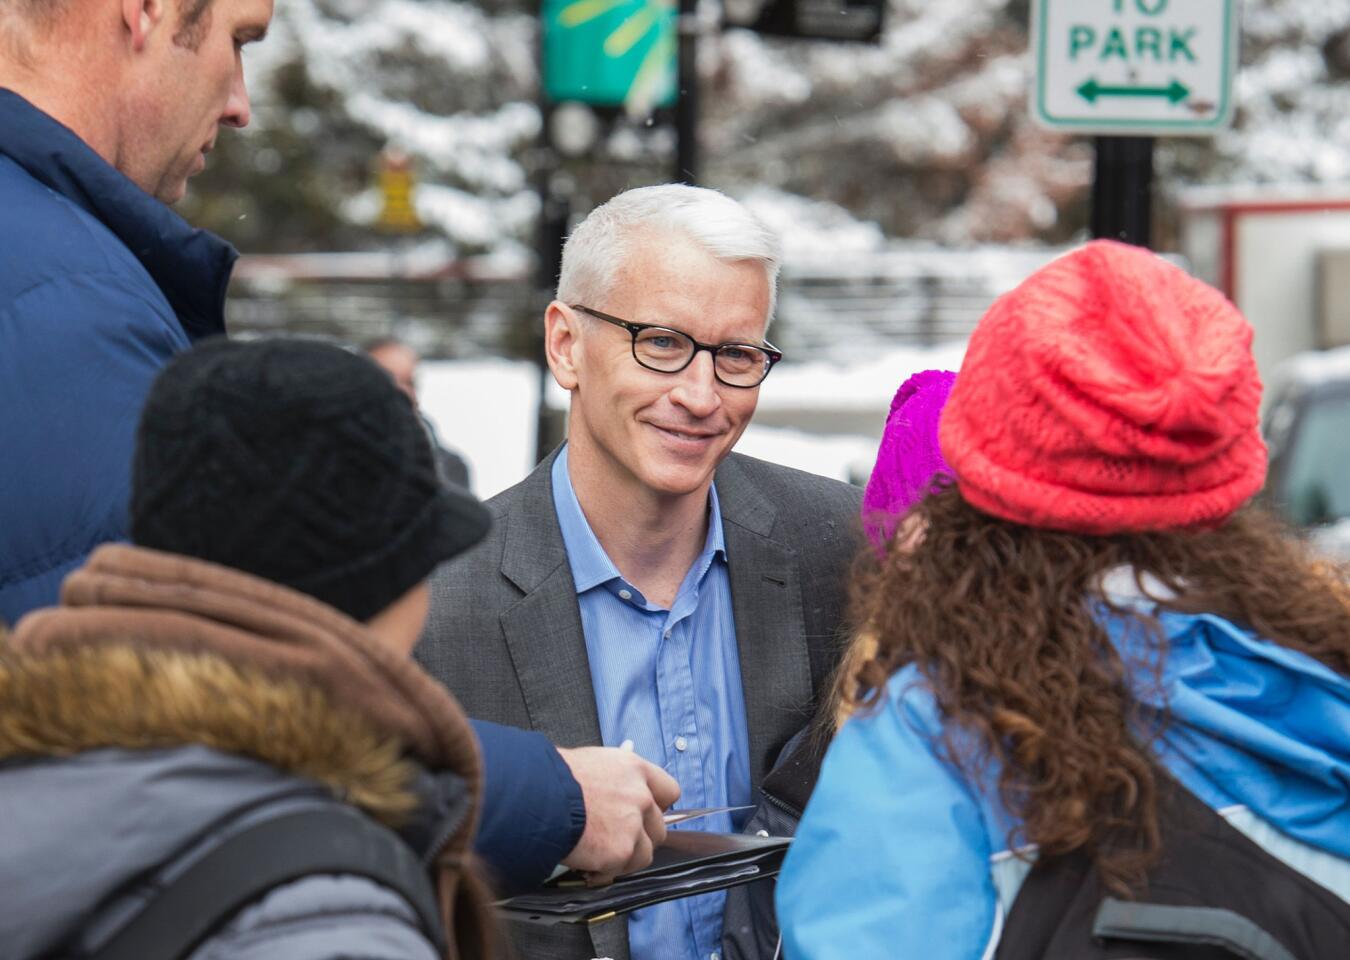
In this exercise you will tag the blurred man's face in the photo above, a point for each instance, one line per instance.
(401, 364)
(667, 432)
(186, 84)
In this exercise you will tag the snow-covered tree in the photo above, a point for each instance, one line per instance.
(926, 134)
(337, 81)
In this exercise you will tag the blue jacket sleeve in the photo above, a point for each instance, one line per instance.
(892, 855)
(77, 357)
(533, 810)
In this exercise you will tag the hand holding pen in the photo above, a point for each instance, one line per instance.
(625, 798)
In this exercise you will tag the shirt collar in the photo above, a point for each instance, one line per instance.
(192, 267)
(590, 565)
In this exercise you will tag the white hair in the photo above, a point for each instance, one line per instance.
(720, 225)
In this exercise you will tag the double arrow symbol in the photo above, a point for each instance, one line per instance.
(1176, 91)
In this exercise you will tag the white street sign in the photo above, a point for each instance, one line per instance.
(1134, 67)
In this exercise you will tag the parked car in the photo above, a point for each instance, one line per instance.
(1307, 426)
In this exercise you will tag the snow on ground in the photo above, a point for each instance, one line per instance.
(840, 456)
(486, 410)
(865, 386)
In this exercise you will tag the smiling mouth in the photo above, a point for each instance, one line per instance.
(687, 436)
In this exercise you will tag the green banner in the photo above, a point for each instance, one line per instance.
(610, 52)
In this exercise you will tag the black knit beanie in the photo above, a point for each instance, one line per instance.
(298, 462)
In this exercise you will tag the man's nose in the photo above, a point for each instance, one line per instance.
(237, 111)
(696, 389)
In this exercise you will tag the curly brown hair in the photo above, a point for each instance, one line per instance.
(996, 616)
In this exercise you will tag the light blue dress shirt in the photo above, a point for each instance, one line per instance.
(670, 681)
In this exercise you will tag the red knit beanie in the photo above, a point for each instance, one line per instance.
(1110, 392)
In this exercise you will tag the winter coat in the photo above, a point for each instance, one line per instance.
(101, 284)
(901, 854)
(171, 701)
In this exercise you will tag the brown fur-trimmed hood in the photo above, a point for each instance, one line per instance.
(154, 649)
(64, 702)
(151, 651)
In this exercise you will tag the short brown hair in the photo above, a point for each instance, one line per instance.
(193, 22)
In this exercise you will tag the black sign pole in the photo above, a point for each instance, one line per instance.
(554, 213)
(550, 232)
(686, 100)
(1122, 190)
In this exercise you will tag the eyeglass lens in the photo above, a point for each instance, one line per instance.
(669, 351)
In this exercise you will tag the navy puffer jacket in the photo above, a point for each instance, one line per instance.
(100, 284)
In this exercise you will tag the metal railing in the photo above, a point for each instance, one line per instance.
(830, 311)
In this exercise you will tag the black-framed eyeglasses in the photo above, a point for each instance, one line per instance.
(667, 350)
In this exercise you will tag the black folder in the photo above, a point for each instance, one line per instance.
(690, 862)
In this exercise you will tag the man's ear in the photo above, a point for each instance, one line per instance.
(561, 343)
(141, 18)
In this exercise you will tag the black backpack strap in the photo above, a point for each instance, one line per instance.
(1212, 892)
(1209, 926)
(265, 855)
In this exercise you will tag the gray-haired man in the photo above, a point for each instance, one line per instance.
(625, 595)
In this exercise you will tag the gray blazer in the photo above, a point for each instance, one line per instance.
(505, 633)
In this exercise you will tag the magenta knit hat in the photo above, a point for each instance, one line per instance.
(1111, 392)
(908, 460)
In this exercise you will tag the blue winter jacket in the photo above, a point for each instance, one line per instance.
(901, 855)
(100, 284)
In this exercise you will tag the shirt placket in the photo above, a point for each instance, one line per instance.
(675, 694)
(684, 746)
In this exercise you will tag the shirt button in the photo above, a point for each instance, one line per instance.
(666, 635)
(681, 744)
(626, 594)
(714, 956)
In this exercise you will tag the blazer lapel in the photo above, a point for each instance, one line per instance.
(548, 649)
(544, 635)
(766, 602)
(543, 630)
